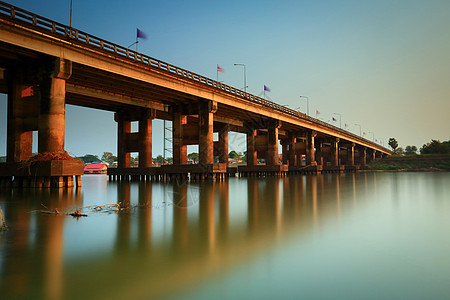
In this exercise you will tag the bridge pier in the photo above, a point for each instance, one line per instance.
(36, 101)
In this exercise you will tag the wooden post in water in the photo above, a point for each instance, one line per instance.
(2, 220)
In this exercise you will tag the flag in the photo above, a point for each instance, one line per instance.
(334, 119)
(220, 69)
(266, 88)
(346, 125)
(364, 133)
(317, 112)
(140, 34)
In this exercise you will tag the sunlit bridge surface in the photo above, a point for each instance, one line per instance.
(350, 236)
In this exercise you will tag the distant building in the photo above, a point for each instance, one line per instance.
(97, 168)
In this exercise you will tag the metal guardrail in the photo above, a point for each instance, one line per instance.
(8, 11)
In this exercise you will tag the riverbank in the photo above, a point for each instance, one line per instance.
(429, 162)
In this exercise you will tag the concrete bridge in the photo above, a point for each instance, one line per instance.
(45, 64)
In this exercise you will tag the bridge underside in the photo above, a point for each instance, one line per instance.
(39, 85)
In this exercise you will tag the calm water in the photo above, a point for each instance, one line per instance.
(351, 236)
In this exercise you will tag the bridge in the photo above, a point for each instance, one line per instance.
(45, 65)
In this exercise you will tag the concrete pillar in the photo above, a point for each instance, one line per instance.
(292, 155)
(351, 154)
(363, 156)
(123, 130)
(222, 144)
(335, 152)
(285, 151)
(319, 153)
(19, 140)
(179, 149)
(51, 124)
(251, 149)
(310, 153)
(145, 138)
(272, 144)
(206, 112)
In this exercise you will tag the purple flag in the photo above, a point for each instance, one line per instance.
(266, 88)
(140, 34)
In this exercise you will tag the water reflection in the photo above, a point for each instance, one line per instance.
(168, 237)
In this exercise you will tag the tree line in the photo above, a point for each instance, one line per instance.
(433, 147)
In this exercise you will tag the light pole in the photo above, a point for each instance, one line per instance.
(359, 129)
(70, 13)
(340, 119)
(373, 136)
(245, 76)
(307, 104)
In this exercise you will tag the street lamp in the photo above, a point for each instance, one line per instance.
(307, 104)
(359, 129)
(340, 119)
(245, 76)
(70, 13)
(373, 136)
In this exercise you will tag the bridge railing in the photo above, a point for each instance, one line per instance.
(26, 18)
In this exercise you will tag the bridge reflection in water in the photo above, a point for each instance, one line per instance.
(173, 236)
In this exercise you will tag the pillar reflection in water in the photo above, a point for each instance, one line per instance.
(34, 244)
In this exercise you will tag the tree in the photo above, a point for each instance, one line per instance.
(233, 154)
(399, 151)
(435, 147)
(159, 159)
(410, 150)
(108, 157)
(193, 156)
(89, 158)
(393, 143)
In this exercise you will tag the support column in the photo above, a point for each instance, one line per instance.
(310, 154)
(351, 154)
(123, 130)
(205, 136)
(251, 149)
(284, 151)
(145, 138)
(19, 140)
(292, 156)
(179, 149)
(222, 144)
(363, 156)
(272, 143)
(51, 124)
(335, 152)
(319, 154)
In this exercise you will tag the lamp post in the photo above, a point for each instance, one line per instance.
(307, 104)
(70, 13)
(373, 135)
(245, 76)
(359, 129)
(340, 119)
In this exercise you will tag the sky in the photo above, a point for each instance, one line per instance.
(384, 64)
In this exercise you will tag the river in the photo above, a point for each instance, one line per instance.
(349, 236)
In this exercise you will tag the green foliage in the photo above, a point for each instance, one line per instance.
(393, 143)
(410, 150)
(436, 147)
(159, 159)
(108, 157)
(89, 158)
(193, 156)
(2, 158)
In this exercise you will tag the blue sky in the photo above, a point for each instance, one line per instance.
(382, 64)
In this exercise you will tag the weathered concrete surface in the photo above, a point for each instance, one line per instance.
(2, 220)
